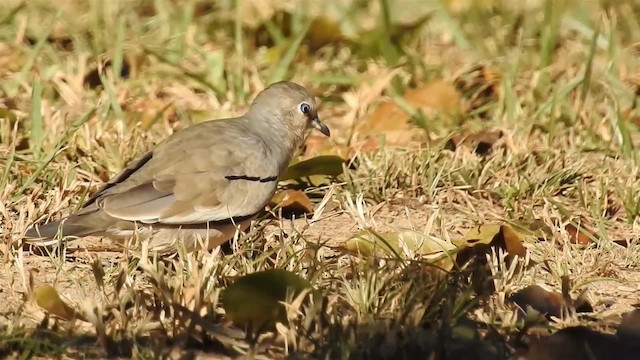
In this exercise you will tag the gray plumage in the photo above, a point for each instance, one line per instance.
(201, 183)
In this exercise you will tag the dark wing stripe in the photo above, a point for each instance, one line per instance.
(122, 176)
(269, 179)
(251, 178)
(242, 177)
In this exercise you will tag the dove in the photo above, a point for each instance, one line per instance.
(201, 184)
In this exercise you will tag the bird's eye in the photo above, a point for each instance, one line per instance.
(305, 108)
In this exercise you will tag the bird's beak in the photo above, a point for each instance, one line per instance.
(321, 126)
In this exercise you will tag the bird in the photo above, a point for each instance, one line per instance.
(201, 184)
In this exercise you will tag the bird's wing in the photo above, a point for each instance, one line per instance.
(206, 174)
(119, 178)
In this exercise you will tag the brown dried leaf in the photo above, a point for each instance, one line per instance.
(293, 201)
(480, 239)
(394, 123)
(541, 300)
(582, 235)
(477, 243)
(319, 145)
(551, 303)
(581, 342)
(629, 329)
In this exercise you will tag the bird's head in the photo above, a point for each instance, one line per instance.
(292, 105)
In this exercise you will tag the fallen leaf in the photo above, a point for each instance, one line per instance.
(293, 201)
(329, 165)
(391, 244)
(551, 303)
(391, 121)
(255, 299)
(629, 328)
(477, 243)
(322, 31)
(47, 298)
(541, 300)
(319, 145)
(435, 96)
(580, 342)
(582, 235)
(490, 235)
(513, 241)
(467, 339)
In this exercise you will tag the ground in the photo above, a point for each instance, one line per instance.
(479, 196)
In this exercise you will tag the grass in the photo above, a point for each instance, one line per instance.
(86, 87)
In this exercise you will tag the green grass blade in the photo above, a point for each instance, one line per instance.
(456, 31)
(562, 93)
(10, 158)
(335, 79)
(188, 73)
(238, 35)
(35, 52)
(387, 49)
(624, 138)
(113, 98)
(11, 15)
(549, 33)
(586, 83)
(62, 142)
(35, 115)
(281, 69)
(118, 52)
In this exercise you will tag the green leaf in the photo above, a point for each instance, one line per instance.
(492, 235)
(255, 299)
(47, 298)
(369, 243)
(330, 165)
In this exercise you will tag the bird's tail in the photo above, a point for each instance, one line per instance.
(73, 226)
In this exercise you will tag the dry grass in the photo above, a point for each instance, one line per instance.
(85, 87)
